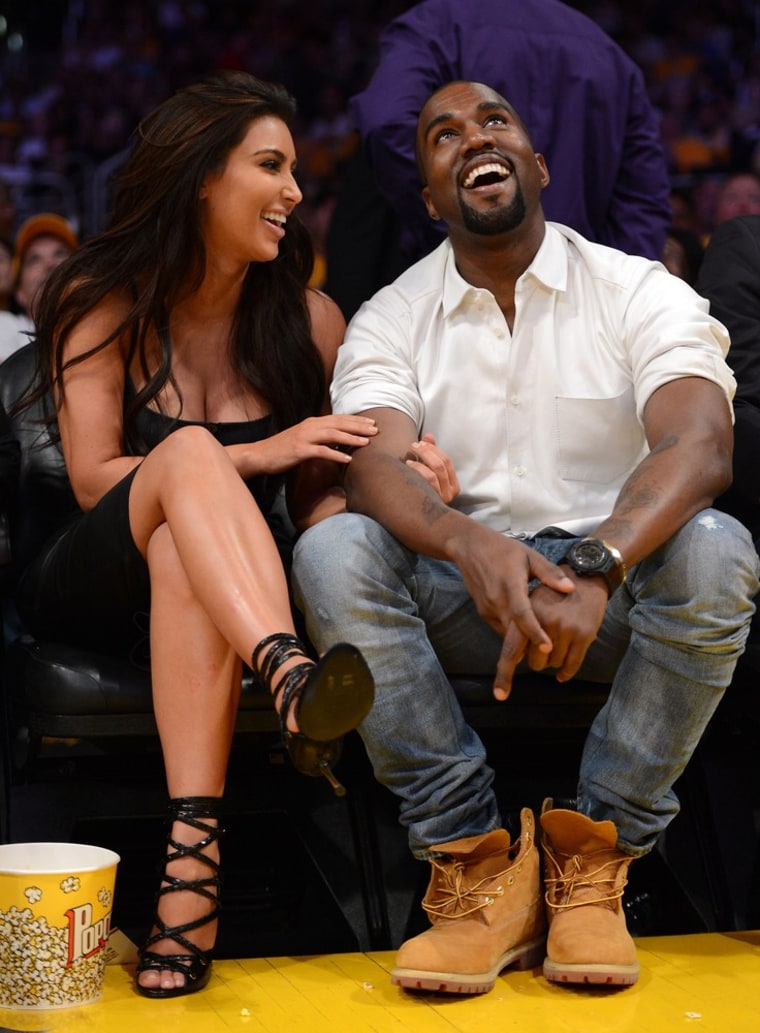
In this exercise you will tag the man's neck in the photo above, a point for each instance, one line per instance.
(496, 263)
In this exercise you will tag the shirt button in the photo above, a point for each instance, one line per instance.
(516, 400)
(520, 471)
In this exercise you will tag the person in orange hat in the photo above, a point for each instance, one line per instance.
(41, 244)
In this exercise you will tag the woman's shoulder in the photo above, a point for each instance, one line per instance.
(322, 304)
(328, 327)
(105, 319)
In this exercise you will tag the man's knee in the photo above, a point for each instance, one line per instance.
(699, 587)
(337, 556)
(715, 549)
(329, 543)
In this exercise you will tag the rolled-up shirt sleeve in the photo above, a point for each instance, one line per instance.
(374, 367)
(671, 335)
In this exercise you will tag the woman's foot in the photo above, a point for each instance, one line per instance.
(175, 959)
(317, 702)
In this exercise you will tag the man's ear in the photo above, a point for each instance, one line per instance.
(545, 177)
(432, 212)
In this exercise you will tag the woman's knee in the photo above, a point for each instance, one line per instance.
(192, 447)
(188, 456)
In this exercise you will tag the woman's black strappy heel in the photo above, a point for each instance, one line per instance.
(195, 965)
(328, 698)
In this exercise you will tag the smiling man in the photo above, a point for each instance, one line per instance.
(584, 399)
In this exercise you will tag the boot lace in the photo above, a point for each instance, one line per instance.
(455, 897)
(580, 884)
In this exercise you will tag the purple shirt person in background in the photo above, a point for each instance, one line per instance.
(582, 98)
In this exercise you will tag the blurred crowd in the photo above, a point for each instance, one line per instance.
(71, 98)
(76, 77)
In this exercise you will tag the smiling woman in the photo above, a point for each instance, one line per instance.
(186, 362)
(257, 185)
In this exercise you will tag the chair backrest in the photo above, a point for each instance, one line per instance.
(45, 498)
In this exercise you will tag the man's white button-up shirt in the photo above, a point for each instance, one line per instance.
(543, 424)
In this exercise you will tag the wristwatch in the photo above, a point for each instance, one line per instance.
(591, 556)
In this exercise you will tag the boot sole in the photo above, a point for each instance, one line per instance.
(527, 955)
(339, 696)
(598, 975)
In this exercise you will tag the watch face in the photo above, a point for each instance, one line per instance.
(590, 555)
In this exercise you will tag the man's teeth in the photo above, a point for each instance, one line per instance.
(485, 170)
(274, 217)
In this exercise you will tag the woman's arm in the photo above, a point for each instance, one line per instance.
(315, 490)
(90, 418)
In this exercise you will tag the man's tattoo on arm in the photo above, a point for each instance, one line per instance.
(635, 495)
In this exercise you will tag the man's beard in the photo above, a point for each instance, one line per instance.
(497, 220)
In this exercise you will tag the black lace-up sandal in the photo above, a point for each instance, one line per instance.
(328, 699)
(195, 965)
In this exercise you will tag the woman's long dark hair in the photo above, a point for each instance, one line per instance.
(153, 245)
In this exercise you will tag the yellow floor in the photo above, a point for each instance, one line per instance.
(707, 983)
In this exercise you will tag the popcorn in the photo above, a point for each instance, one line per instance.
(33, 955)
(55, 921)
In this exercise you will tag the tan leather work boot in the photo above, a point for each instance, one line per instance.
(484, 900)
(585, 875)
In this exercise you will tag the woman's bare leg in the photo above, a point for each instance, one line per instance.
(196, 679)
(223, 541)
(217, 588)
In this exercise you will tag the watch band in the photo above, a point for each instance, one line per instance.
(620, 567)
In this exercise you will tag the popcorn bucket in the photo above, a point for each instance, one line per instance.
(55, 917)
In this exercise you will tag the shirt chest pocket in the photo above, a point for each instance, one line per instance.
(599, 440)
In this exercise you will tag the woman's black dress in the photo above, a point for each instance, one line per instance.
(89, 585)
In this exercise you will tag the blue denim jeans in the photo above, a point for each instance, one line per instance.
(668, 645)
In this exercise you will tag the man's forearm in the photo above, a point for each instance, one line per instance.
(670, 486)
(384, 488)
